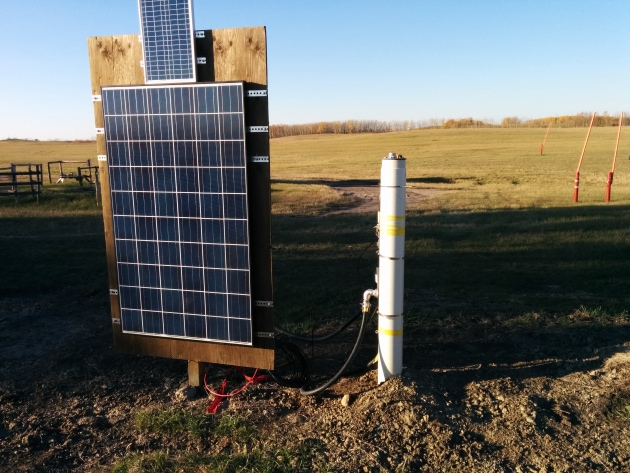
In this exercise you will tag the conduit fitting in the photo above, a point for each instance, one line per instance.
(367, 295)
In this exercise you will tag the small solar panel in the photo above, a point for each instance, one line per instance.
(177, 171)
(168, 40)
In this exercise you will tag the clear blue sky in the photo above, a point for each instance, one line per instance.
(344, 59)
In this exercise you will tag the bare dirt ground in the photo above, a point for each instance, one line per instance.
(476, 395)
(367, 196)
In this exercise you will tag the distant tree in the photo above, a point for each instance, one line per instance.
(509, 122)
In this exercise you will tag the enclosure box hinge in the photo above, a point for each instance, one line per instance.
(258, 129)
(265, 335)
(263, 303)
(201, 60)
(113, 292)
(259, 159)
(116, 321)
(257, 93)
(97, 98)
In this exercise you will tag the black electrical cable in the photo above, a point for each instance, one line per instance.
(332, 380)
(304, 338)
(359, 261)
(291, 368)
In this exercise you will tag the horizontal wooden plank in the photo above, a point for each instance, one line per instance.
(224, 354)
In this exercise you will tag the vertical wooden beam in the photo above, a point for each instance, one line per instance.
(114, 60)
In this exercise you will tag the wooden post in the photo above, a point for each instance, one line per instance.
(196, 372)
(15, 181)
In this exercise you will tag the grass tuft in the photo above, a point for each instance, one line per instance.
(619, 406)
(197, 425)
(156, 462)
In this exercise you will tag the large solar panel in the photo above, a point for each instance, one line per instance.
(177, 171)
(168, 40)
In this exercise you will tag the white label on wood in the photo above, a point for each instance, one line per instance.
(258, 129)
(256, 93)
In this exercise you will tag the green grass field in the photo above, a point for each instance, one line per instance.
(504, 236)
(497, 168)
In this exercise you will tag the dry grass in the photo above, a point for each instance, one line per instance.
(41, 152)
(307, 199)
(495, 168)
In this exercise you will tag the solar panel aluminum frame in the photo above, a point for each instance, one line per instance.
(191, 44)
(112, 111)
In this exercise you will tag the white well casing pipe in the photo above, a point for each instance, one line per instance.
(391, 250)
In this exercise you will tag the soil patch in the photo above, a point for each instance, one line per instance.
(476, 393)
(368, 197)
(473, 397)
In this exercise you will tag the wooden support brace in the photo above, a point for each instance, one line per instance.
(196, 371)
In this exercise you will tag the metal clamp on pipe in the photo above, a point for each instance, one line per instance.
(367, 295)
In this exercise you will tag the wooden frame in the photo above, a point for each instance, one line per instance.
(18, 176)
(238, 54)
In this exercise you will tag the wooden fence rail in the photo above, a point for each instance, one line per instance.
(21, 179)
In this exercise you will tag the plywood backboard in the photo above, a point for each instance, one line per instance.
(238, 54)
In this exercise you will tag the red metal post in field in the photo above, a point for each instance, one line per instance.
(577, 173)
(542, 146)
(609, 179)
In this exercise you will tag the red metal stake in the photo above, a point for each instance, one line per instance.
(576, 188)
(542, 145)
(577, 173)
(609, 180)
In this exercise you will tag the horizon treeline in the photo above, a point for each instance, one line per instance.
(374, 126)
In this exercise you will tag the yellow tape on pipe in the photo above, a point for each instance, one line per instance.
(393, 226)
(390, 333)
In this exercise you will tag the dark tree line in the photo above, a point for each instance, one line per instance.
(375, 126)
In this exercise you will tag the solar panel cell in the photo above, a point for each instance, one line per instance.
(177, 169)
(168, 40)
